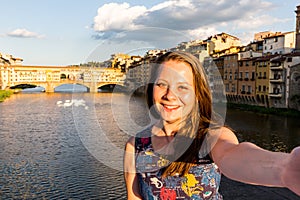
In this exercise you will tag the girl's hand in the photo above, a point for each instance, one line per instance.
(291, 173)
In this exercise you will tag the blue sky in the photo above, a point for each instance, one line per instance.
(65, 32)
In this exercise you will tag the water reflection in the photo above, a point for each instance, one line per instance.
(276, 133)
(43, 156)
(32, 90)
(71, 88)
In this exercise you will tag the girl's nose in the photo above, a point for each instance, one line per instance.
(170, 94)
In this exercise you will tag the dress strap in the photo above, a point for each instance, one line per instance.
(143, 140)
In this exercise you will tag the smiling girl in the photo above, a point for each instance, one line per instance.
(166, 161)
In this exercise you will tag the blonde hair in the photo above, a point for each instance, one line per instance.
(197, 123)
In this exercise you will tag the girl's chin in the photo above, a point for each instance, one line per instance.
(171, 119)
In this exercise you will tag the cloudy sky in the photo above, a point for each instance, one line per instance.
(65, 32)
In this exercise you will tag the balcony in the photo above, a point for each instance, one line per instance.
(276, 80)
(275, 66)
(275, 95)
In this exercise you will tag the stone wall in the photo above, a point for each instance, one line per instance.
(294, 97)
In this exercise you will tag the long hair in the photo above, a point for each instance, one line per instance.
(197, 123)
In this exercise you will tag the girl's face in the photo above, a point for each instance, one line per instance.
(173, 92)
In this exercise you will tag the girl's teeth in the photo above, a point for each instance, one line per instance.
(171, 107)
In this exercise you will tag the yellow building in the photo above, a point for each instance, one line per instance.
(221, 41)
(262, 65)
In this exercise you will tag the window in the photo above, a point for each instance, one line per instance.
(247, 75)
(235, 75)
(227, 87)
(249, 89)
(233, 88)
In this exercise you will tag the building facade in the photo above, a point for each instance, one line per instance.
(294, 87)
(231, 76)
(280, 43)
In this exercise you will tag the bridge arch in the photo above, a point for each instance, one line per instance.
(109, 87)
(23, 86)
(71, 87)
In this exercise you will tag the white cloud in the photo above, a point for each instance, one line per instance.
(193, 14)
(117, 17)
(198, 19)
(138, 40)
(252, 22)
(23, 33)
(203, 32)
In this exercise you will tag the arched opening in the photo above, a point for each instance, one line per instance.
(111, 88)
(23, 86)
(63, 76)
(28, 88)
(258, 99)
(263, 99)
(71, 88)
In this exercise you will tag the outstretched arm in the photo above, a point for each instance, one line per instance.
(291, 173)
(249, 163)
(130, 172)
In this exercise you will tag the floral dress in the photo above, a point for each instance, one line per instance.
(201, 182)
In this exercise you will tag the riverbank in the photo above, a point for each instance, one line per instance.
(5, 94)
(263, 110)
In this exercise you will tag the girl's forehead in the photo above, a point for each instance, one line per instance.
(176, 70)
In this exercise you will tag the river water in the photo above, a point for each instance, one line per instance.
(69, 146)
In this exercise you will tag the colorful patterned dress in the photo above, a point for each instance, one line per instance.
(202, 181)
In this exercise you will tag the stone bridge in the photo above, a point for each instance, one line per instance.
(50, 77)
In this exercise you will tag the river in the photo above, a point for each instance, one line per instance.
(69, 146)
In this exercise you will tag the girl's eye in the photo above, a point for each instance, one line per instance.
(181, 87)
(162, 85)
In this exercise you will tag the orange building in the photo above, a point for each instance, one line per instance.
(231, 76)
(246, 81)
